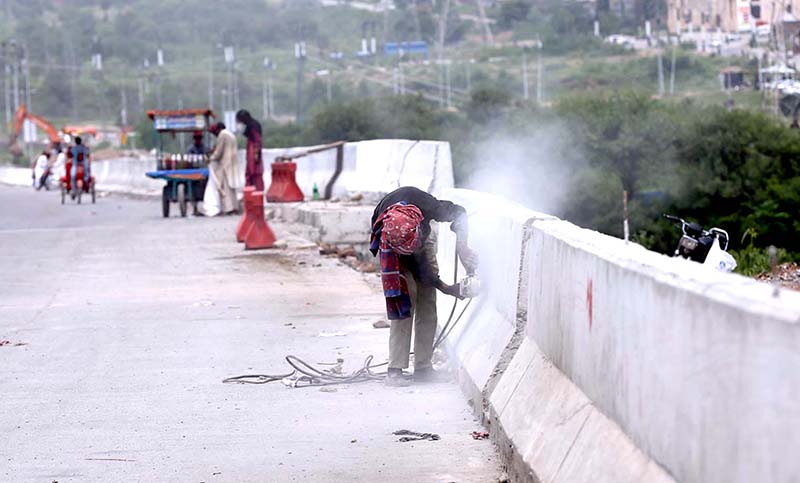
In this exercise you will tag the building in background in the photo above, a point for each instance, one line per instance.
(728, 15)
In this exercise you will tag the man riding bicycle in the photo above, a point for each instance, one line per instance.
(80, 156)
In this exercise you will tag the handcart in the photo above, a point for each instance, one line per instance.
(186, 174)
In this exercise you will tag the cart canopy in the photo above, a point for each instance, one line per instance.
(184, 120)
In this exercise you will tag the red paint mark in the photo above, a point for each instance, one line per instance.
(589, 301)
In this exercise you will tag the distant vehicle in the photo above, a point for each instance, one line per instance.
(624, 40)
(709, 247)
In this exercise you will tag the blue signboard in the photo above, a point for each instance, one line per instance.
(400, 48)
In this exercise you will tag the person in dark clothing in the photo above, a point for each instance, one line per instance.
(254, 169)
(402, 235)
(197, 147)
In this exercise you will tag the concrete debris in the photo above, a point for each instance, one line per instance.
(15, 344)
(381, 324)
(327, 249)
(480, 435)
(306, 246)
(787, 275)
(327, 389)
(346, 252)
(280, 245)
(357, 196)
(332, 334)
(415, 436)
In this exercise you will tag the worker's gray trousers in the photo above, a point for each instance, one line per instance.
(423, 319)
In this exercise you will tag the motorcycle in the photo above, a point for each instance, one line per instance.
(709, 247)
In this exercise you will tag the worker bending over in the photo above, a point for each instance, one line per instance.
(401, 234)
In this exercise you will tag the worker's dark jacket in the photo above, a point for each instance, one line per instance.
(432, 209)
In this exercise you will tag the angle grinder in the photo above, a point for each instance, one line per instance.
(470, 286)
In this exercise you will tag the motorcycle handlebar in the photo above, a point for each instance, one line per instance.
(673, 218)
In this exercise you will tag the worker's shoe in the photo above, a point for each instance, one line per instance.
(427, 374)
(396, 378)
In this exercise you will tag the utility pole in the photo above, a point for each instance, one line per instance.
(660, 75)
(6, 85)
(227, 101)
(469, 75)
(487, 30)
(211, 81)
(447, 80)
(236, 99)
(525, 93)
(402, 80)
(539, 76)
(417, 26)
(264, 98)
(123, 115)
(266, 86)
(141, 94)
(300, 55)
(270, 97)
(27, 73)
(329, 92)
(442, 36)
(672, 74)
(15, 73)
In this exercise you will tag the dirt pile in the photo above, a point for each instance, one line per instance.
(787, 274)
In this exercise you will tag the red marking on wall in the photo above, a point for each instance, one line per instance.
(589, 301)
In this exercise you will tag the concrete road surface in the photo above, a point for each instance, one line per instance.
(121, 326)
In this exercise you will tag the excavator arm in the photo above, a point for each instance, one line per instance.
(19, 120)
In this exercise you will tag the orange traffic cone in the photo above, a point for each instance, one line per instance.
(259, 235)
(245, 222)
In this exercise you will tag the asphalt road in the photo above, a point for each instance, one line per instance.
(127, 324)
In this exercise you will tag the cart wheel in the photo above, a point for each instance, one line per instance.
(93, 193)
(63, 194)
(165, 202)
(79, 190)
(182, 198)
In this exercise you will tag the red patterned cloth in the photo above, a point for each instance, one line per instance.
(395, 233)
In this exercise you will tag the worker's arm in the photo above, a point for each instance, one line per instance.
(216, 155)
(457, 216)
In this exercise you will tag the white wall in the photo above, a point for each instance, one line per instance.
(700, 368)
(634, 366)
(496, 232)
(371, 167)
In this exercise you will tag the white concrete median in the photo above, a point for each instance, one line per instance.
(497, 231)
(633, 366)
(371, 167)
(698, 367)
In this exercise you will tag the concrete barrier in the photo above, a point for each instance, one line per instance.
(630, 366)
(497, 232)
(127, 175)
(371, 167)
(15, 176)
(698, 367)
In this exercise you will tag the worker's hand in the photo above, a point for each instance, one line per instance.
(453, 291)
(468, 258)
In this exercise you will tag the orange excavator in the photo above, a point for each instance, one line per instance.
(19, 120)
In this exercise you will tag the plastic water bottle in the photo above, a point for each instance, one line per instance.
(315, 192)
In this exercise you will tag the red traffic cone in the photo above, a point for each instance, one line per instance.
(245, 222)
(259, 235)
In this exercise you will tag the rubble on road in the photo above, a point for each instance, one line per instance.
(787, 275)
(381, 324)
(15, 344)
(408, 435)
